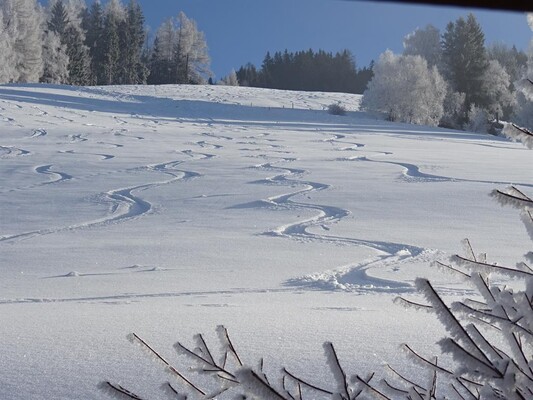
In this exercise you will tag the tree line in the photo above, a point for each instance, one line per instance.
(307, 70)
(70, 43)
(451, 79)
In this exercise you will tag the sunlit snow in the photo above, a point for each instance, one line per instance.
(169, 210)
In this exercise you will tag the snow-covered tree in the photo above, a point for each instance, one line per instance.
(55, 59)
(510, 58)
(454, 106)
(230, 79)
(180, 53)
(22, 22)
(425, 43)
(8, 72)
(66, 22)
(406, 90)
(524, 112)
(191, 52)
(496, 86)
(162, 62)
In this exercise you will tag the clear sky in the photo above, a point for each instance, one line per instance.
(241, 31)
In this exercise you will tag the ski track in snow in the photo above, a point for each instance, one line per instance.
(10, 151)
(39, 133)
(56, 176)
(352, 278)
(125, 205)
(412, 173)
(138, 296)
(103, 156)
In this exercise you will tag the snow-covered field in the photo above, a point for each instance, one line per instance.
(166, 211)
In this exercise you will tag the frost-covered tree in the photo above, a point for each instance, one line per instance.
(192, 59)
(454, 106)
(66, 22)
(55, 59)
(162, 61)
(179, 54)
(406, 90)
(524, 93)
(496, 86)
(22, 22)
(8, 72)
(58, 20)
(230, 79)
(510, 58)
(425, 43)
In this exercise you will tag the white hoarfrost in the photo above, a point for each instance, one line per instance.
(406, 90)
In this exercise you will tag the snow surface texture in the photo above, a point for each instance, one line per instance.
(170, 210)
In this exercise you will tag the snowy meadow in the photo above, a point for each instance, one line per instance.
(168, 210)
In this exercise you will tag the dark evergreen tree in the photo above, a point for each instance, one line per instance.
(465, 60)
(132, 38)
(93, 23)
(79, 68)
(111, 49)
(364, 76)
(58, 20)
(78, 57)
(307, 70)
(248, 75)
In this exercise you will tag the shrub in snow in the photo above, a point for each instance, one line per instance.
(478, 120)
(336, 109)
(406, 90)
(490, 339)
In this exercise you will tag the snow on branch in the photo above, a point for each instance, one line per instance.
(519, 134)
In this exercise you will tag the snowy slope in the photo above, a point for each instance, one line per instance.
(169, 210)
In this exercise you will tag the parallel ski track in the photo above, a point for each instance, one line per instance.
(125, 205)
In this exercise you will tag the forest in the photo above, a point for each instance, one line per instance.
(450, 79)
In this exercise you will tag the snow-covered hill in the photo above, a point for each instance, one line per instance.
(169, 210)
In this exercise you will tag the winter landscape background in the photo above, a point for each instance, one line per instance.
(169, 210)
(142, 193)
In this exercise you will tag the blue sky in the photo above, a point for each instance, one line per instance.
(241, 31)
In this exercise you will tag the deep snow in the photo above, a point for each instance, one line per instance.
(169, 210)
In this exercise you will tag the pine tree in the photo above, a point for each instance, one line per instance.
(67, 24)
(464, 59)
(79, 63)
(58, 20)
(114, 15)
(93, 24)
(132, 38)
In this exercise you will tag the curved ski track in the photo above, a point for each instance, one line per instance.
(351, 278)
(56, 176)
(412, 173)
(125, 205)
